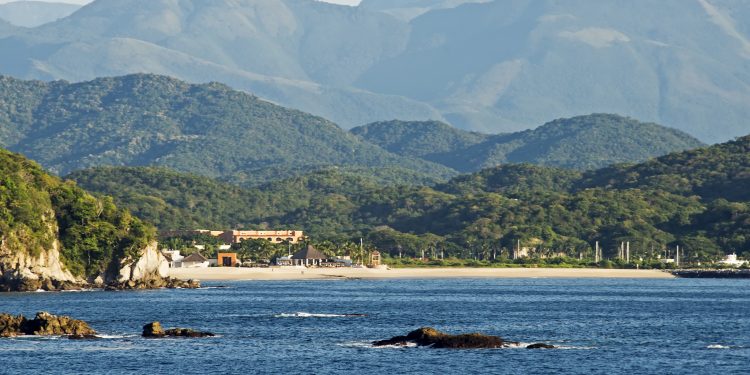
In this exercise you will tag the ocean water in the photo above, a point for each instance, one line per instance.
(602, 326)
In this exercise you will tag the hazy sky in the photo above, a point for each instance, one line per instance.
(345, 2)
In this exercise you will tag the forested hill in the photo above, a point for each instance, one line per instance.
(583, 142)
(208, 129)
(546, 208)
(418, 138)
(37, 210)
(719, 171)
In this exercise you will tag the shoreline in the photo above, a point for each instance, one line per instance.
(299, 273)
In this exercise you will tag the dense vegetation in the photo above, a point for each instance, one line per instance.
(583, 142)
(37, 209)
(482, 215)
(205, 129)
(418, 138)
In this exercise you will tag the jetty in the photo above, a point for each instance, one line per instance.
(713, 273)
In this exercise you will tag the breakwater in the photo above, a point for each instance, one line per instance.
(714, 274)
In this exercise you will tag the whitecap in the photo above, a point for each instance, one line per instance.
(717, 346)
(369, 345)
(123, 336)
(302, 314)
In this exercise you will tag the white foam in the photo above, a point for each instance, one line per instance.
(115, 336)
(717, 346)
(302, 314)
(368, 345)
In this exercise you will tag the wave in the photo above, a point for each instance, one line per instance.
(718, 346)
(303, 314)
(113, 337)
(368, 345)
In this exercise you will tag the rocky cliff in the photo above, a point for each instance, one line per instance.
(22, 271)
(56, 236)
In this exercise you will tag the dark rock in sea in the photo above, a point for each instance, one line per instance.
(186, 332)
(154, 330)
(427, 336)
(540, 346)
(83, 337)
(154, 283)
(43, 324)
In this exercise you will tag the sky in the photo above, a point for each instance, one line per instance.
(343, 2)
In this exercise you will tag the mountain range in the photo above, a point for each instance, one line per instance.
(489, 66)
(214, 131)
(35, 13)
(207, 129)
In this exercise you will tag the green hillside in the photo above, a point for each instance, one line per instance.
(720, 171)
(37, 209)
(206, 129)
(418, 138)
(550, 210)
(582, 143)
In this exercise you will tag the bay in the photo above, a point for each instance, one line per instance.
(602, 326)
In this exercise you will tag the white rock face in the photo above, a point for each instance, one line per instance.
(151, 264)
(19, 265)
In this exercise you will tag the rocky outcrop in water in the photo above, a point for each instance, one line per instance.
(427, 336)
(150, 271)
(540, 346)
(22, 272)
(155, 330)
(44, 324)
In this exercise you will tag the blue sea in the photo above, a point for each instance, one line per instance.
(601, 326)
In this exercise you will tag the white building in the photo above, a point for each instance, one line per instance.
(195, 260)
(732, 261)
(173, 257)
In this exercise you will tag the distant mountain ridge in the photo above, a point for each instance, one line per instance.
(494, 66)
(582, 142)
(35, 13)
(207, 129)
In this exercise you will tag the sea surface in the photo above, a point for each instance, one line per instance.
(602, 326)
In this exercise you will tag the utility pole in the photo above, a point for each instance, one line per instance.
(596, 253)
(627, 253)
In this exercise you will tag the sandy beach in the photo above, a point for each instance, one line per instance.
(293, 273)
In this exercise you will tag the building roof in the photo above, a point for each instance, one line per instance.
(194, 257)
(168, 256)
(309, 253)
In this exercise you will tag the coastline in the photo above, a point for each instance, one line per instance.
(295, 273)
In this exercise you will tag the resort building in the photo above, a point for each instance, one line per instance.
(195, 260)
(235, 236)
(173, 257)
(273, 236)
(310, 257)
(732, 261)
(375, 259)
(226, 260)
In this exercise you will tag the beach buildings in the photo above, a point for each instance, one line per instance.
(310, 257)
(273, 236)
(195, 260)
(227, 260)
(732, 261)
(235, 236)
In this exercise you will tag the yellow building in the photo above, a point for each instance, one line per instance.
(273, 236)
(235, 236)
